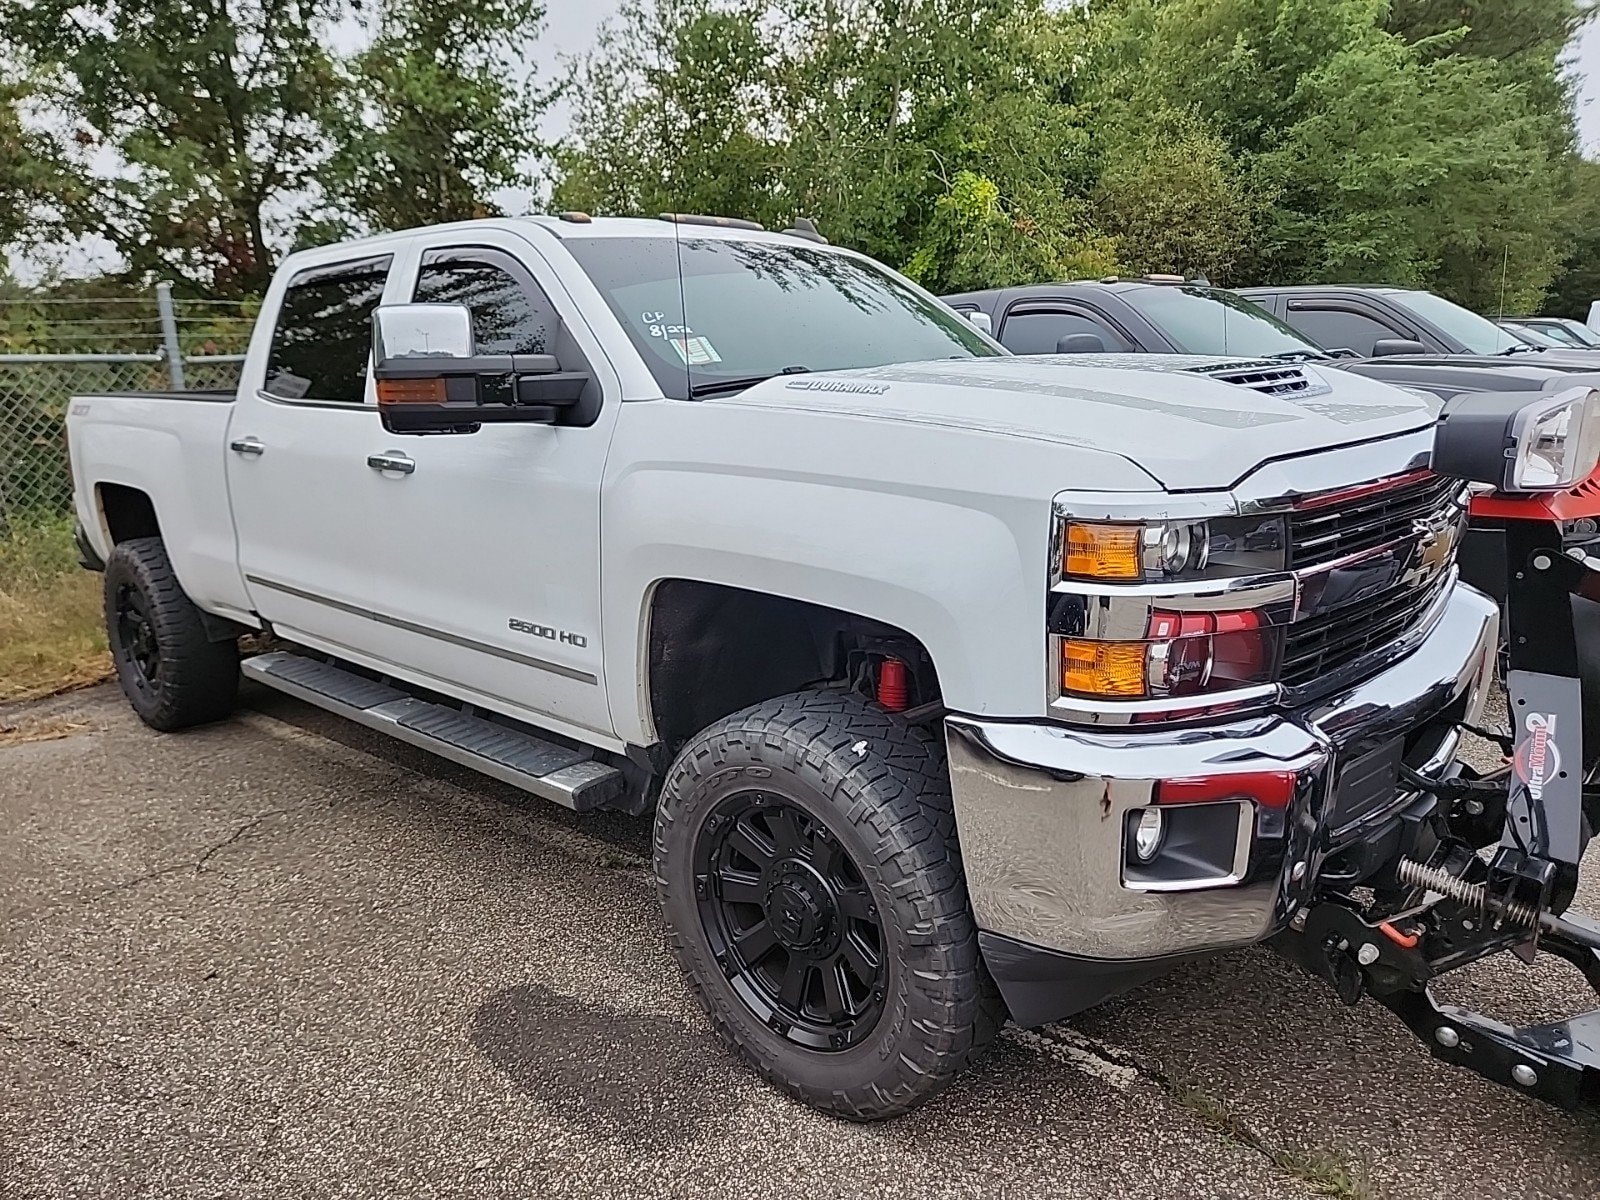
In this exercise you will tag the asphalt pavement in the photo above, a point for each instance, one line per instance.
(284, 957)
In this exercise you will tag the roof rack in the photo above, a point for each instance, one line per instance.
(1153, 277)
(724, 222)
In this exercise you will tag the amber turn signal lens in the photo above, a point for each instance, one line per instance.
(1114, 669)
(1102, 551)
(410, 391)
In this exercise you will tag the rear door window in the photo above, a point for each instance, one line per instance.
(1340, 328)
(323, 339)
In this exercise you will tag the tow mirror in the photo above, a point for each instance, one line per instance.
(1081, 343)
(981, 320)
(430, 378)
(1390, 347)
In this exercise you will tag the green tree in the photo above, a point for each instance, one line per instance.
(670, 113)
(32, 185)
(194, 124)
(934, 132)
(431, 120)
(1176, 199)
(1387, 159)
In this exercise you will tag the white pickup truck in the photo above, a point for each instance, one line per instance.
(958, 683)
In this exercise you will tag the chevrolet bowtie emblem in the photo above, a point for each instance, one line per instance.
(1434, 544)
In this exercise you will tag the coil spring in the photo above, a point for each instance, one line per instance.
(1474, 895)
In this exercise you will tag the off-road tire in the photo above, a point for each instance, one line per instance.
(195, 679)
(881, 787)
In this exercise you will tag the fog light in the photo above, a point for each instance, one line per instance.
(1147, 833)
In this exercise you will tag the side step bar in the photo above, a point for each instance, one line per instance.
(546, 769)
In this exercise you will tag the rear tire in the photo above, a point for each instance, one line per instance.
(173, 674)
(806, 859)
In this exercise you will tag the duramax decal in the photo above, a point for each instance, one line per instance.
(837, 385)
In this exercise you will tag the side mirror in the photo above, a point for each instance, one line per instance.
(431, 379)
(1081, 343)
(982, 320)
(1389, 347)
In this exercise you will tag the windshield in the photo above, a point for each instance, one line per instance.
(746, 310)
(1477, 335)
(1573, 333)
(1202, 320)
(1530, 334)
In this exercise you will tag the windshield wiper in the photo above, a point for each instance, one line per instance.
(1510, 350)
(713, 386)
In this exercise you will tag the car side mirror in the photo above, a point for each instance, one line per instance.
(1389, 347)
(430, 377)
(981, 320)
(1081, 343)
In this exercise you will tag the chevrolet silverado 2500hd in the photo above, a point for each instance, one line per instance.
(958, 683)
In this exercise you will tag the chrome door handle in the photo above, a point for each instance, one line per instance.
(391, 460)
(248, 445)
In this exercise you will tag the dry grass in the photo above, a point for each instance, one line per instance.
(44, 729)
(51, 633)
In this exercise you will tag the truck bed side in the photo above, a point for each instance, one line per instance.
(167, 449)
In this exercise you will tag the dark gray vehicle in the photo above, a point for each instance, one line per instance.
(1165, 315)
(1564, 330)
(1383, 321)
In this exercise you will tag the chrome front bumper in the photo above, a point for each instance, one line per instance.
(1041, 809)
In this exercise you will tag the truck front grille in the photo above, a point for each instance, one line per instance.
(1406, 527)
(1328, 528)
(1324, 644)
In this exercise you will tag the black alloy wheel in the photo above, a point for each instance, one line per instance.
(136, 641)
(790, 921)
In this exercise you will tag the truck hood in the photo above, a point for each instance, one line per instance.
(1170, 415)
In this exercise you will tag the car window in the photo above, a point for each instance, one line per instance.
(1580, 333)
(510, 312)
(1203, 320)
(1568, 333)
(1560, 334)
(1340, 328)
(1475, 334)
(722, 312)
(323, 338)
(1040, 332)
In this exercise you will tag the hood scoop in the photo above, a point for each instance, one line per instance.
(1290, 380)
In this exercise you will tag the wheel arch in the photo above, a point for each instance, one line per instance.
(711, 649)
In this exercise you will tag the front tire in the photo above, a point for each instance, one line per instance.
(173, 674)
(806, 860)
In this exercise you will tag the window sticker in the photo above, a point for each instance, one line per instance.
(695, 351)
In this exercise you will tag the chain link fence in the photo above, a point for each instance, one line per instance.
(80, 346)
(35, 392)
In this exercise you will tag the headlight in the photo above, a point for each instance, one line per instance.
(1154, 551)
(1183, 654)
(1519, 445)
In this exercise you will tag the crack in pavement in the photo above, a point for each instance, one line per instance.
(84, 1049)
(1322, 1170)
(197, 865)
